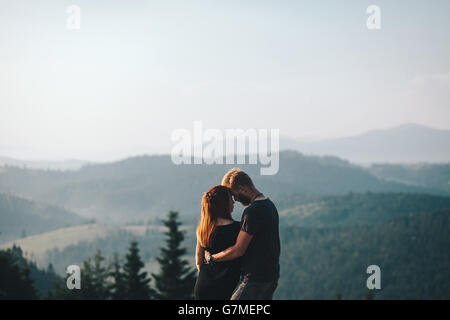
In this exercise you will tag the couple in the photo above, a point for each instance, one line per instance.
(237, 260)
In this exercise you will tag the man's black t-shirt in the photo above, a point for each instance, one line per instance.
(261, 260)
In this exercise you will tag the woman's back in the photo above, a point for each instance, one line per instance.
(224, 237)
(217, 281)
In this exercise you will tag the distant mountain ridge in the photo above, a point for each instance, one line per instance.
(408, 143)
(147, 187)
(43, 164)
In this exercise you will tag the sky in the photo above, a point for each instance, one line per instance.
(138, 70)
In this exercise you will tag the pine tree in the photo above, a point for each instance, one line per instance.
(99, 276)
(118, 287)
(95, 284)
(50, 268)
(15, 281)
(136, 282)
(29, 291)
(53, 283)
(176, 278)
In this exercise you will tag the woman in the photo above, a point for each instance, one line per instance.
(216, 232)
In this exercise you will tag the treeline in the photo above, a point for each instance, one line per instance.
(119, 279)
(116, 241)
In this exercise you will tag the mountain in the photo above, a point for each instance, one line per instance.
(408, 143)
(43, 164)
(424, 175)
(147, 187)
(21, 217)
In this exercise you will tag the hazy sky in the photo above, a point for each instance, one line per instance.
(137, 70)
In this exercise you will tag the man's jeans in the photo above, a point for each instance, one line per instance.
(253, 290)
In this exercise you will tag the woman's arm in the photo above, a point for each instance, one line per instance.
(199, 252)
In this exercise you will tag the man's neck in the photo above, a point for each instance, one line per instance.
(257, 196)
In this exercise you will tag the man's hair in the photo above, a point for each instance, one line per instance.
(236, 177)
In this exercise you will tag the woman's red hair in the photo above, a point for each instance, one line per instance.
(215, 204)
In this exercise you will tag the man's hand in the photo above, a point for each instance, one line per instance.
(206, 254)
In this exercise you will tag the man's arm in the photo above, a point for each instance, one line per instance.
(236, 251)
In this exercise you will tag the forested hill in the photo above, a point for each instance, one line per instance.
(148, 186)
(436, 176)
(21, 217)
(327, 242)
(327, 263)
(355, 208)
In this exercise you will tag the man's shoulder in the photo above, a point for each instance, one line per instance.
(251, 208)
(260, 205)
(266, 203)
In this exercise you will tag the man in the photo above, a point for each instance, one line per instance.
(258, 242)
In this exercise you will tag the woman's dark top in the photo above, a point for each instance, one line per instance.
(218, 281)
